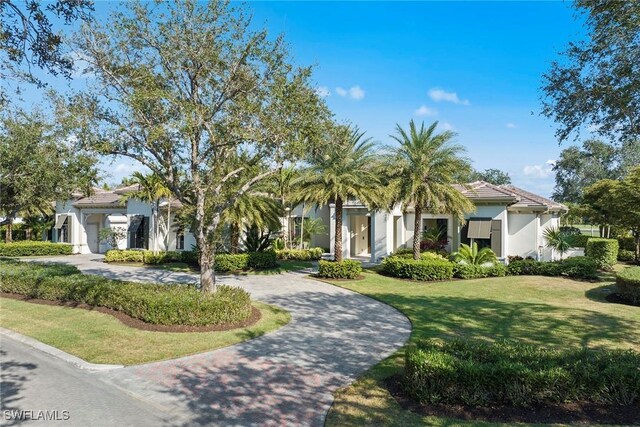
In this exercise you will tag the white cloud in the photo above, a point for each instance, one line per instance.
(439, 95)
(540, 171)
(447, 126)
(425, 111)
(511, 125)
(354, 92)
(323, 91)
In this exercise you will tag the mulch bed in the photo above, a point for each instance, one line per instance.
(579, 412)
(328, 280)
(619, 299)
(137, 323)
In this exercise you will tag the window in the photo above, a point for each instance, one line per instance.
(62, 228)
(296, 226)
(487, 233)
(138, 232)
(180, 240)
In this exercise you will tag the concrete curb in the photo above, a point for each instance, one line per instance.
(57, 353)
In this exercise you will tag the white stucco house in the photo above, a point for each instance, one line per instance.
(509, 220)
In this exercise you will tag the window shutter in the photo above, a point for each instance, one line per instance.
(145, 237)
(496, 237)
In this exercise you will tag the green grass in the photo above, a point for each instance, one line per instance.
(181, 267)
(101, 338)
(537, 310)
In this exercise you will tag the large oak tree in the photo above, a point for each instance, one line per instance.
(186, 89)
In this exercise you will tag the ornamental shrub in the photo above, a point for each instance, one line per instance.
(627, 243)
(118, 255)
(346, 269)
(424, 270)
(603, 251)
(161, 257)
(151, 303)
(628, 284)
(578, 240)
(477, 373)
(626, 255)
(262, 260)
(312, 254)
(574, 267)
(34, 248)
(470, 271)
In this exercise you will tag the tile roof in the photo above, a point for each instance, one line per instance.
(480, 190)
(102, 198)
(528, 199)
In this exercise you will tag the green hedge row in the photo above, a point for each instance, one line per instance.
(627, 243)
(423, 270)
(312, 254)
(224, 262)
(507, 373)
(157, 304)
(579, 240)
(469, 271)
(628, 284)
(34, 248)
(626, 255)
(574, 267)
(346, 269)
(603, 251)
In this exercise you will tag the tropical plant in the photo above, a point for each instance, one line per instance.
(471, 255)
(112, 236)
(251, 210)
(345, 170)
(433, 239)
(311, 227)
(425, 165)
(257, 239)
(151, 189)
(288, 194)
(558, 240)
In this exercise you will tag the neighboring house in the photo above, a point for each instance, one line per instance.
(80, 220)
(509, 220)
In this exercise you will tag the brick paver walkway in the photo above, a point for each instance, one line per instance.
(284, 378)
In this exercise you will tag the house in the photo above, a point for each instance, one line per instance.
(509, 220)
(80, 220)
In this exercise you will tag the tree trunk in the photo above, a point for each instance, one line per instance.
(156, 227)
(235, 238)
(207, 256)
(338, 243)
(416, 231)
(9, 233)
(302, 228)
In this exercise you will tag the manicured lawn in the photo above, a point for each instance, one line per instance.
(181, 267)
(539, 310)
(101, 338)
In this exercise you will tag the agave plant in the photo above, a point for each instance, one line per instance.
(471, 255)
(558, 240)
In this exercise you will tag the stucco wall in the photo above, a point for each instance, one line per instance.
(522, 235)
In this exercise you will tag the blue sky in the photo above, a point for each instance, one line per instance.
(475, 67)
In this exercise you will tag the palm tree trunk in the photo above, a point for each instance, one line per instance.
(8, 237)
(302, 228)
(338, 243)
(416, 231)
(235, 238)
(166, 236)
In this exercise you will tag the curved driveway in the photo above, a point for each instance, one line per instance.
(284, 378)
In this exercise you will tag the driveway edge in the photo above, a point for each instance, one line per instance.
(57, 353)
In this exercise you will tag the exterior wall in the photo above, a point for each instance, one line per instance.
(495, 212)
(548, 220)
(75, 230)
(524, 235)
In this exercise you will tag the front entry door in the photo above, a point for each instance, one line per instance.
(92, 237)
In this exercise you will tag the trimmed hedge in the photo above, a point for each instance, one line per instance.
(151, 303)
(579, 240)
(508, 373)
(603, 251)
(470, 271)
(628, 284)
(117, 255)
(34, 248)
(424, 256)
(575, 267)
(312, 254)
(626, 255)
(224, 262)
(346, 269)
(423, 270)
(627, 243)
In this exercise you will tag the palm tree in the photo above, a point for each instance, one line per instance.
(425, 165)
(471, 255)
(345, 170)
(557, 240)
(285, 190)
(152, 190)
(251, 209)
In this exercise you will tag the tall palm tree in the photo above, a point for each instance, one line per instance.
(425, 165)
(345, 170)
(152, 190)
(283, 186)
(251, 209)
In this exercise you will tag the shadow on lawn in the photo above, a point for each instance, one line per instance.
(289, 377)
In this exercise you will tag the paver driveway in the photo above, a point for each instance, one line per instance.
(284, 378)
